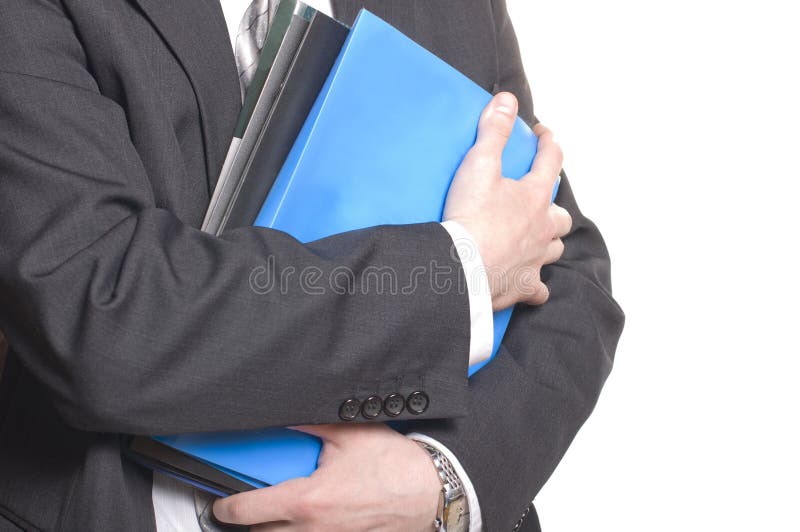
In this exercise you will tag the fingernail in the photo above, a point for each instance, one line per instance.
(506, 104)
(218, 509)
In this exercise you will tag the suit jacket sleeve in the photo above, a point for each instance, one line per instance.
(135, 322)
(526, 406)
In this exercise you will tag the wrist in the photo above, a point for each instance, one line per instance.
(431, 489)
(481, 338)
(469, 242)
(452, 509)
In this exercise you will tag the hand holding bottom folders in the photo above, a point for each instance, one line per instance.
(516, 227)
(369, 478)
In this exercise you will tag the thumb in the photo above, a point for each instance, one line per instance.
(496, 123)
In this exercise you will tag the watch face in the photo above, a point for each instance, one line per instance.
(456, 515)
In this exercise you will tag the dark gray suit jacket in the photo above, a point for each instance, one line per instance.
(123, 318)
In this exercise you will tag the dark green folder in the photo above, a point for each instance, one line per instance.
(280, 47)
(315, 58)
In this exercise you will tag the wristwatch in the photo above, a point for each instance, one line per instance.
(452, 514)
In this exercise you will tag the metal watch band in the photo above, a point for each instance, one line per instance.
(453, 512)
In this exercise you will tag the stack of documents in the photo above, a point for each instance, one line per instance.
(341, 130)
(299, 51)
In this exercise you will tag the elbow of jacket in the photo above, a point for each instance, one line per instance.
(593, 349)
(104, 414)
(608, 321)
(102, 402)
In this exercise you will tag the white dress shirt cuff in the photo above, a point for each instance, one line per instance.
(475, 520)
(481, 339)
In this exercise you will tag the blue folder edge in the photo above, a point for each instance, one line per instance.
(270, 456)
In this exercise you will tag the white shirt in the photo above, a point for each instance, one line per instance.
(173, 501)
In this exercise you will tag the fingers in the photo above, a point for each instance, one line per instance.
(562, 220)
(494, 127)
(323, 432)
(554, 251)
(536, 291)
(275, 503)
(548, 161)
(539, 295)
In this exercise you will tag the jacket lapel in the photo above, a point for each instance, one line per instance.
(195, 32)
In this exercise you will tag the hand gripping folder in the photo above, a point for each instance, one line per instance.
(380, 146)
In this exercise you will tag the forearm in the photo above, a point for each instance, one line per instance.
(108, 297)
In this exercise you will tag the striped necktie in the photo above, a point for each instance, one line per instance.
(250, 39)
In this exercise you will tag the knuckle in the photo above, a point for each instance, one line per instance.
(561, 213)
(558, 153)
(559, 248)
(567, 217)
(481, 155)
(482, 159)
(545, 296)
(542, 294)
(541, 196)
(548, 232)
(499, 124)
(313, 502)
(538, 195)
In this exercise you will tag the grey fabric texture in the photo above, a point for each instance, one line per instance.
(3, 349)
(123, 318)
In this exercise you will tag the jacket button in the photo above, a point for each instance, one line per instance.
(349, 409)
(394, 405)
(417, 402)
(372, 407)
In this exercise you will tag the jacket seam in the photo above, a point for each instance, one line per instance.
(68, 504)
(53, 80)
(16, 519)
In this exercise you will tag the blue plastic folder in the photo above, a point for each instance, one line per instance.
(380, 146)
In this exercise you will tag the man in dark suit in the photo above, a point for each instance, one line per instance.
(122, 318)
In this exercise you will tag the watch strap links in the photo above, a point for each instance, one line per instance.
(453, 509)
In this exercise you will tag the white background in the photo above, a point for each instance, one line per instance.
(679, 125)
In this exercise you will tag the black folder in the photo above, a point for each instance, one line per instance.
(306, 75)
(283, 40)
(165, 459)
